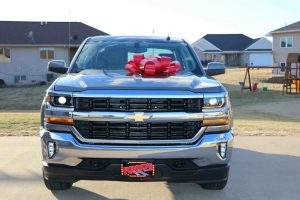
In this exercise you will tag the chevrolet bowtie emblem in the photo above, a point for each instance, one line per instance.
(138, 117)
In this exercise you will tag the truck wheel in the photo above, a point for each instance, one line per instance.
(214, 186)
(56, 185)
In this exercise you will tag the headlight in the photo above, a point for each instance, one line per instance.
(217, 111)
(61, 101)
(214, 102)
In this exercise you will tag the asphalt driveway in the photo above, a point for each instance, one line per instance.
(261, 168)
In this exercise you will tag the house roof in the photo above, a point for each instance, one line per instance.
(252, 42)
(45, 33)
(289, 28)
(229, 42)
(259, 44)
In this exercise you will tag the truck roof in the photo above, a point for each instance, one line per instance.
(148, 38)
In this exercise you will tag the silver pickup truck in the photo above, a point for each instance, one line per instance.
(99, 123)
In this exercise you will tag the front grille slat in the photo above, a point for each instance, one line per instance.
(141, 130)
(136, 104)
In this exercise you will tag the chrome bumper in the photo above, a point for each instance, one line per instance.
(70, 152)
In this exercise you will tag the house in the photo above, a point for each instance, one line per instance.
(27, 47)
(285, 40)
(234, 50)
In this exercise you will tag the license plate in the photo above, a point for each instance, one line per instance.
(137, 169)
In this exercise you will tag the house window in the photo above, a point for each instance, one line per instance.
(4, 55)
(286, 42)
(23, 77)
(20, 78)
(47, 53)
(282, 65)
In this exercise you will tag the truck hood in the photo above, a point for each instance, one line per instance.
(101, 80)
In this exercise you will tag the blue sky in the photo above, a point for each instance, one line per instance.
(188, 19)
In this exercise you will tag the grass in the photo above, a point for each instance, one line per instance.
(262, 112)
(255, 113)
(19, 123)
(24, 98)
(20, 110)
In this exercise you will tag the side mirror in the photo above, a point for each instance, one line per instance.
(57, 66)
(215, 68)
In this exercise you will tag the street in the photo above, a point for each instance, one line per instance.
(261, 168)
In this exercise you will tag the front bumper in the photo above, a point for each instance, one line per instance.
(70, 153)
(213, 174)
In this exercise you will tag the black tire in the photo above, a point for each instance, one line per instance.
(214, 186)
(57, 185)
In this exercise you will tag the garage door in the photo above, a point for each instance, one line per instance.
(260, 59)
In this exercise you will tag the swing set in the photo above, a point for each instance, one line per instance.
(291, 82)
(247, 83)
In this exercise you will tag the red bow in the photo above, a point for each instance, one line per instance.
(152, 66)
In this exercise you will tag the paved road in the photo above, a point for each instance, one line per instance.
(262, 168)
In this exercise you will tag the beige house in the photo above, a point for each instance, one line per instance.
(285, 40)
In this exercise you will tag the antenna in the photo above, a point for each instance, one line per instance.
(168, 38)
(69, 39)
(69, 36)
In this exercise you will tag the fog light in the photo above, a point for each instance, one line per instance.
(222, 150)
(51, 149)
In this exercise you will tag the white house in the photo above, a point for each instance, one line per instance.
(234, 50)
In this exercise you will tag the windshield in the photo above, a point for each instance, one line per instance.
(114, 54)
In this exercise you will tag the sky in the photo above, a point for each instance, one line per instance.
(187, 19)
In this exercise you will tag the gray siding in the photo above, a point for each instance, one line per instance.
(26, 61)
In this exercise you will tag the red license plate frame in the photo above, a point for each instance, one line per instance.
(137, 169)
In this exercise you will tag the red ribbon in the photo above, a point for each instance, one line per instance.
(152, 66)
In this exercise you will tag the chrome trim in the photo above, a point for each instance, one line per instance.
(71, 152)
(59, 109)
(217, 128)
(137, 142)
(138, 94)
(211, 95)
(123, 116)
(216, 113)
(59, 93)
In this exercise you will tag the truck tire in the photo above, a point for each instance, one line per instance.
(214, 186)
(57, 185)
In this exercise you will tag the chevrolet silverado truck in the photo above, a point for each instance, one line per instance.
(99, 123)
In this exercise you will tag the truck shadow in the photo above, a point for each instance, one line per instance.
(78, 193)
(253, 175)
